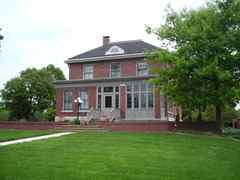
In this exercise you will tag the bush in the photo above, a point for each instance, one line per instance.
(4, 115)
(76, 121)
(49, 114)
(235, 133)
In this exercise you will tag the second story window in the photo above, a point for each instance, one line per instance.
(115, 70)
(142, 69)
(88, 71)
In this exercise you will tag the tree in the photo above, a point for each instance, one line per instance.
(31, 92)
(204, 68)
(56, 72)
(1, 36)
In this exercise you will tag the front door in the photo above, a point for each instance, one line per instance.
(108, 101)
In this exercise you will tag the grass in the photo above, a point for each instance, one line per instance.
(123, 156)
(11, 134)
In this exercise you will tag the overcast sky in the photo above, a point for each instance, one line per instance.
(42, 32)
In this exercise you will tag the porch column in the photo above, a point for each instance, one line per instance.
(122, 101)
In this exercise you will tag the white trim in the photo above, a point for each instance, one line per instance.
(65, 111)
(93, 59)
(119, 50)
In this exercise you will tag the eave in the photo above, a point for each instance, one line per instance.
(104, 58)
(87, 82)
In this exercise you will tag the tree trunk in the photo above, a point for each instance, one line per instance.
(219, 121)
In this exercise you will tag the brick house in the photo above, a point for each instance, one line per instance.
(111, 77)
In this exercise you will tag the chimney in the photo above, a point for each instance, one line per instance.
(106, 40)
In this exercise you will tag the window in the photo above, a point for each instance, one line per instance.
(116, 101)
(108, 89)
(142, 69)
(136, 100)
(150, 100)
(99, 101)
(143, 99)
(88, 71)
(114, 50)
(84, 98)
(67, 100)
(116, 97)
(129, 100)
(115, 70)
(140, 96)
(99, 98)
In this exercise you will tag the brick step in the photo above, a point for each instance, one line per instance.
(80, 128)
(74, 130)
(75, 126)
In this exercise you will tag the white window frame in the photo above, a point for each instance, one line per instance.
(147, 70)
(85, 108)
(63, 100)
(139, 92)
(120, 70)
(90, 72)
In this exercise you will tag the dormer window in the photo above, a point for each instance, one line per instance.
(114, 50)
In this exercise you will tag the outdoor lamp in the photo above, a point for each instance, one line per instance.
(78, 101)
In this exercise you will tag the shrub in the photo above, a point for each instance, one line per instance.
(4, 115)
(232, 132)
(49, 114)
(76, 121)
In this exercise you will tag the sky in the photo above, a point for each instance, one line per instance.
(41, 32)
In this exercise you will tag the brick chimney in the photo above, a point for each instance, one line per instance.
(106, 40)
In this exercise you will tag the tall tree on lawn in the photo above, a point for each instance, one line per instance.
(203, 69)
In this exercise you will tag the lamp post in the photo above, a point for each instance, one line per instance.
(78, 101)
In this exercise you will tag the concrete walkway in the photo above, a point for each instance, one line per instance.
(30, 139)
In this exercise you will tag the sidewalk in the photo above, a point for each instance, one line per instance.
(34, 138)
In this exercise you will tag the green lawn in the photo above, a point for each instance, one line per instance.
(111, 156)
(11, 134)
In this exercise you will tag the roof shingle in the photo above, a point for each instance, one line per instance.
(129, 47)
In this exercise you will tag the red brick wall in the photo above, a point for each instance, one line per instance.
(75, 71)
(148, 126)
(92, 97)
(102, 69)
(128, 68)
(59, 100)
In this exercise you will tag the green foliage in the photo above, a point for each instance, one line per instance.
(235, 133)
(31, 92)
(4, 115)
(1, 36)
(76, 121)
(204, 68)
(49, 114)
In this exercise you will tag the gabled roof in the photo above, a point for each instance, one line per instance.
(133, 48)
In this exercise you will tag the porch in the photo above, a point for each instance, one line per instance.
(119, 100)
